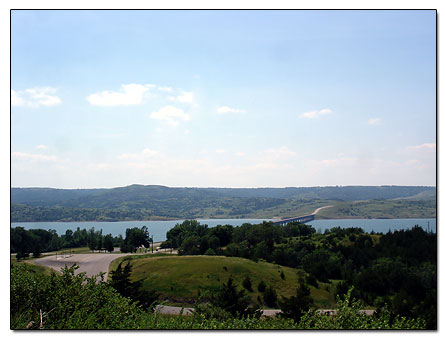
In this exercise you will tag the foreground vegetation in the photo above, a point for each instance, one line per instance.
(69, 301)
(397, 269)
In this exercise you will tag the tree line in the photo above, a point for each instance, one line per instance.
(36, 241)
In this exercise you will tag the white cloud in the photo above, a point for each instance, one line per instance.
(220, 151)
(279, 152)
(183, 97)
(35, 97)
(16, 100)
(374, 121)
(239, 154)
(130, 94)
(425, 146)
(41, 146)
(165, 88)
(316, 113)
(33, 157)
(226, 109)
(171, 115)
(146, 153)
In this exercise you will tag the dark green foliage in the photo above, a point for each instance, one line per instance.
(135, 237)
(120, 280)
(261, 286)
(228, 299)
(295, 307)
(295, 229)
(247, 284)
(71, 301)
(67, 301)
(108, 243)
(270, 297)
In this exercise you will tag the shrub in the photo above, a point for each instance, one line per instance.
(270, 297)
(247, 284)
(261, 286)
(68, 301)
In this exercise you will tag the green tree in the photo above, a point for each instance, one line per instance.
(261, 286)
(120, 280)
(270, 297)
(295, 306)
(247, 283)
(234, 301)
(108, 243)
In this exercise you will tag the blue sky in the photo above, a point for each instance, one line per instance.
(223, 98)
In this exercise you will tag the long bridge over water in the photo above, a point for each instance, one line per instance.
(300, 219)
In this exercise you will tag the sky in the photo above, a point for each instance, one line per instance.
(223, 98)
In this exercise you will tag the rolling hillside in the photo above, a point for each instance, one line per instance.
(138, 202)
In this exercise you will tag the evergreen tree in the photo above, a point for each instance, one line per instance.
(295, 306)
(120, 280)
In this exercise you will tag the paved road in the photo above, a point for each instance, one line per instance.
(320, 208)
(92, 264)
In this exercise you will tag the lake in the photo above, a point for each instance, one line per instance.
(158, 229)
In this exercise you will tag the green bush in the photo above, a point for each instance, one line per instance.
(68, 301)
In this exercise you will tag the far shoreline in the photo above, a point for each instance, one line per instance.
(182, 219)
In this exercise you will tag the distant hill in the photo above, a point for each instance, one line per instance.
(347, 193)
(139, 202)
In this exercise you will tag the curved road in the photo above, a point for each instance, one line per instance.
(320, 208)
(91, 263)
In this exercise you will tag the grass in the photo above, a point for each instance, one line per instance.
(179, 279)
(39, 269)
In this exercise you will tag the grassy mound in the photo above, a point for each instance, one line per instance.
(178, 279)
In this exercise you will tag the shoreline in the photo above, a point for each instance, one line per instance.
(265, 219)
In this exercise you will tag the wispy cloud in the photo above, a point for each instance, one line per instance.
(171, 115)
(165, 88)
(183, 97)
(239, 154)
(226, 110)
(41, 146)
(424, 147)
(281, 152)
(33, 157)
(146, 153)
(129, 94)
(374, 121)
(316, 113)
(35, 97)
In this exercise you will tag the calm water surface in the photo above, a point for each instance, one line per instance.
(158, 229)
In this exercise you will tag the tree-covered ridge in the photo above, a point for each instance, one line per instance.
(112, 198)
(138, 202)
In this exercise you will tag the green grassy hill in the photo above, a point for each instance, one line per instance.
(178, 279)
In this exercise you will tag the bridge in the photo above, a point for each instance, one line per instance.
(300, 219)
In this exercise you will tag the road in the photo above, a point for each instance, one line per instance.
(320, 208)
(91, 263)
